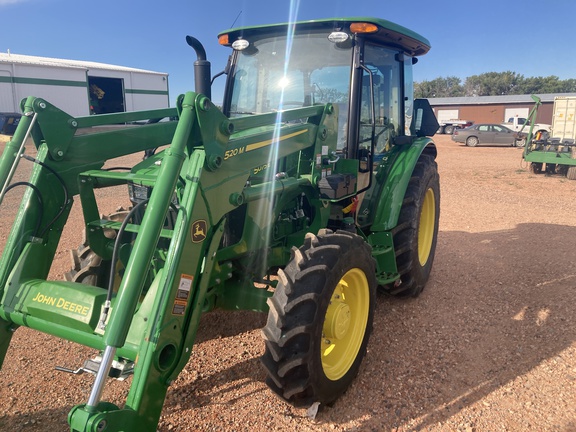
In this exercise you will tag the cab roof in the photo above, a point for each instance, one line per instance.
(388, 33)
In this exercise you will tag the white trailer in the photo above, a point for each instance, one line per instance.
(79, 87)
(564, 118)
(448, 121)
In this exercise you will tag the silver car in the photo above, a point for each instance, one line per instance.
(492, 134)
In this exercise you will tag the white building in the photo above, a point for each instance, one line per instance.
(79, 88)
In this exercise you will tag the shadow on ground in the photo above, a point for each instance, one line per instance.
(498, 305)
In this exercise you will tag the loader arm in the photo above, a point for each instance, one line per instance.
(213, 165)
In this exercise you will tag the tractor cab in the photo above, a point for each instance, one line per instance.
(363, 67)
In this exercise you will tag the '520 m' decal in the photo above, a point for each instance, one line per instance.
(255, 146)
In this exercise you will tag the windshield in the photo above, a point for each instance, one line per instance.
(278, 73)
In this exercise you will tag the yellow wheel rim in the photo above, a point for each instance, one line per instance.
(426, 227)
(345, 324)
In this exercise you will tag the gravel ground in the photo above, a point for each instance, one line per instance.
(488, 346)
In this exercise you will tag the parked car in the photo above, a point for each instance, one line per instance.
(493, 134)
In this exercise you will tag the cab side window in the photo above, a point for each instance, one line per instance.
(331, 84)
(385, 73)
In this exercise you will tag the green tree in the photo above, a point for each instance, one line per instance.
(331, 95)
(549, 84)
(492, 84)
(439, 87)
(569, 85)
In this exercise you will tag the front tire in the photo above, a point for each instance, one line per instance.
(415, 235)
(88, 268)
(472, 141)
(320, 318)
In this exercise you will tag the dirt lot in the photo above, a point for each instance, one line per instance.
(488, 346)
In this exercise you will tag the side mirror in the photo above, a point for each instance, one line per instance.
(425, 122)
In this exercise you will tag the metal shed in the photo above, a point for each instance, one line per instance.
(79, 87)
(494, 109)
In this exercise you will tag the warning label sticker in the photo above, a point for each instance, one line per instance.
(184, 287)
(179, 308)
(182, 295)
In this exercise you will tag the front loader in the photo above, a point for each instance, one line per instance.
(313, 185)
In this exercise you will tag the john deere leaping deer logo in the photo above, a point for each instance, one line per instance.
(198, 231)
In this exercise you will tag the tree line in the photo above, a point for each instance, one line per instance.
(492, 84)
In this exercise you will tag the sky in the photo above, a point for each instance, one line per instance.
(530, 37)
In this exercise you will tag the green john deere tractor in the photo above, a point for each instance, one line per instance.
(313, 185)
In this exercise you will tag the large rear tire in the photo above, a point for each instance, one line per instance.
(320, 318)
(415, 235)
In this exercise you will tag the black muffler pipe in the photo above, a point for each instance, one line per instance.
(201, 68)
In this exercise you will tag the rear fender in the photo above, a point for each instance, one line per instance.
(381, 207)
